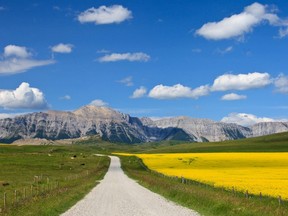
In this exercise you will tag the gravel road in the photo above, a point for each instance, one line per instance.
(118, 195)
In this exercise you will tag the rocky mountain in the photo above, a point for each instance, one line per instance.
(88, 120)
(265, 128)
(114, 126)
(208, 130)
(203, 129)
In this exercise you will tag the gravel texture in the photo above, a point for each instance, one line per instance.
(118, 195)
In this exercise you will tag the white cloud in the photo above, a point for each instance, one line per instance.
(17, 60)
(16, 51)
(281, 84)
(140, 92)
(233, 96)
(105, 15)
(139, 56)
(99, 103)
(239, 24)
(62, 48)
(12, 66)
(23, 97)
(65, 97)
(248, 119)
(224, 82)
(178, 91)
(226, 50)
(241, 81)
(127, 81)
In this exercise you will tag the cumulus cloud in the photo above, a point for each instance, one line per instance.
(62, 48)
(233, 96)
(281, 84)
(241, 81)
(16, 51)
(239, 24)
(140, 92)
(23, 97)
(18, 59)
(127, 81)
(99, 103)
(178, 91)
(225, 82)
(113, 57)
(245, 119)
(105, 15)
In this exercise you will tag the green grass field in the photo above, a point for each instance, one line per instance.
(47, 179)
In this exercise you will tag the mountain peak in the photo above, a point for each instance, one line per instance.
(100, 112)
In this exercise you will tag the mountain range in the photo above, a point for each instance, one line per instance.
(115, 126)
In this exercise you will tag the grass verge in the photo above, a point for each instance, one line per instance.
(202, 198)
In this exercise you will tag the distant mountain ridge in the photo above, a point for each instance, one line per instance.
(114, 126)
(204, 129)
(208, 130)
(110, 124)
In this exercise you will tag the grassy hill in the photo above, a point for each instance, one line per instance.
(270, 143)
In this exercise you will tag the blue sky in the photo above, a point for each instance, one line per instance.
(222, 60)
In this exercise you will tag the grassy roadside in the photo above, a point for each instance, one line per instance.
(202, 198)
(67, 174)
(61, 200)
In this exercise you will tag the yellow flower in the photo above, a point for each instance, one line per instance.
(256, 172)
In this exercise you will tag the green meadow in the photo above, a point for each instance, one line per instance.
(46, 180)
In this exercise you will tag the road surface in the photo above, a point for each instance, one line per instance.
(118, 195)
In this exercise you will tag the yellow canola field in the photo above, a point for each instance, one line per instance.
(256, 172)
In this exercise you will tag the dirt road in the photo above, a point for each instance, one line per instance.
(118, 195)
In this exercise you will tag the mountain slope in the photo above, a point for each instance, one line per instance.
(265, 128)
